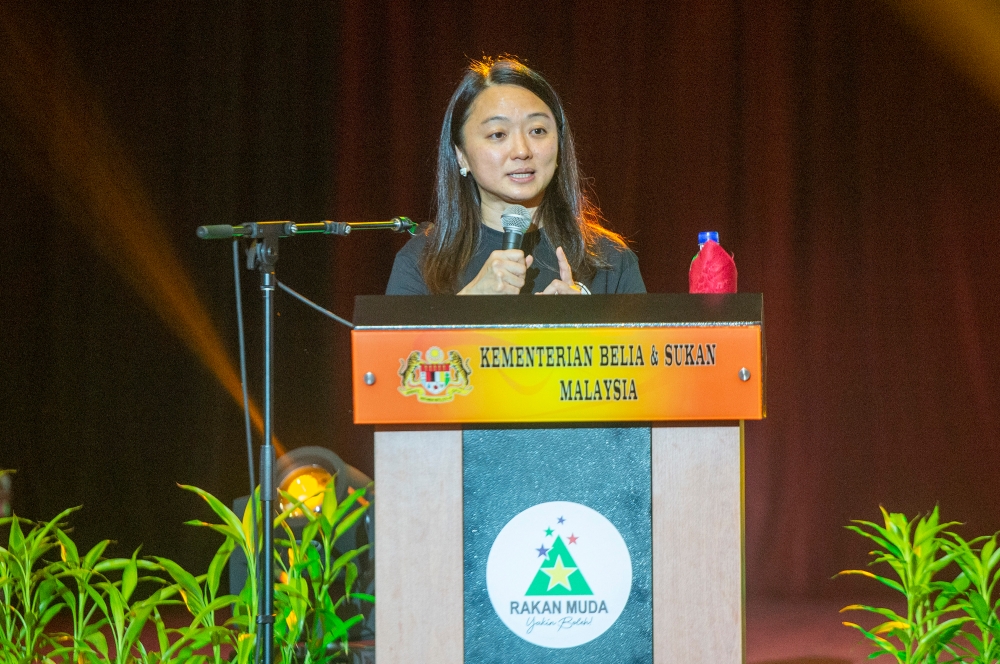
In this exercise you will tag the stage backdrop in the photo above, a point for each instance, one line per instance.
(850, 168)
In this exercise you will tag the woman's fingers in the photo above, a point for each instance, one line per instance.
(564, 285)
(498, 273)
(512, 255)
(503, 272)
(560, 287)
(565, 272)
(508, 274)
(512, 260)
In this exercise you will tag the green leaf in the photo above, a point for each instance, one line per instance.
(994, 629)
(350, 576)
(295, 506)
(95, 553)
(222, 529)
(310, 530)
(329, 507)
(883, 542)
(139, 615)
(349, 501)
(352, 621)
(889, 582)
(295, 589)
(97, 598)
(162, 639)
(219, 508)
(245, 644)
(938, 636)
(40, 537)
(15, 540)
(217, 565)
(249, 530)
(346, 558)
(990, 552)
(69, 551)
(351, 519)
(892, 628)
(887, 613)
(97, 640)
(130, 577)
(220, 602)
(190, 588)
(961, 582)
(117, 617)
(247, 598)
(882, 644)
(49, 614)
(980, 609)
(312, 564)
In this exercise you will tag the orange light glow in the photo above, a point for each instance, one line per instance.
(68, 142)
(968, 31)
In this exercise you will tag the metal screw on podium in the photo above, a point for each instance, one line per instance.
(370, 378)
(744, 374)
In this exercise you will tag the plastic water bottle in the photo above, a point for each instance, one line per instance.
(712, 269)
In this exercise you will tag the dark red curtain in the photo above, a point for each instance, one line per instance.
(850, 169)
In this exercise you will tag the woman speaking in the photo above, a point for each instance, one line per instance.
(506, 142)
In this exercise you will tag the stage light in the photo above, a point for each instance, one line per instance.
(306, 471)
(303, 472)
(306, 484)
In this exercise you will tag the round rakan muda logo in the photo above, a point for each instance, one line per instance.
(559, 574)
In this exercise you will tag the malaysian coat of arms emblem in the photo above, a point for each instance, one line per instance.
(434, 377)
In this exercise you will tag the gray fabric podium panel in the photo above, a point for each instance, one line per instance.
(506, 471)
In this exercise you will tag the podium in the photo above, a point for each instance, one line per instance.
(560, 479)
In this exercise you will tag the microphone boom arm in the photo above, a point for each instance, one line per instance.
(257, 229)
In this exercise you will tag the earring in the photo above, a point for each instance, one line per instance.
(464, 171)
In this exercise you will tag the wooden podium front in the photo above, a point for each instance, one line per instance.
(492, 411)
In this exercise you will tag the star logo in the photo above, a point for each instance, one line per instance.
(559, 574)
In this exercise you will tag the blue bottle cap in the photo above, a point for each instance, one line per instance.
(705, 236)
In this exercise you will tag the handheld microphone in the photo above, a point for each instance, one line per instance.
(515, 220)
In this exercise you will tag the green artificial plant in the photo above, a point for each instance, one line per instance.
(44, 575)
(948, 584)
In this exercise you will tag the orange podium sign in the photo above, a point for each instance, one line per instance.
(587, 359)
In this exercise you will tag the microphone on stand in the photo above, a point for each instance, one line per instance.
(515, 220)
(290, 228)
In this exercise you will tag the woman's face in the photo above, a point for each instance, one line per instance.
(511, 146)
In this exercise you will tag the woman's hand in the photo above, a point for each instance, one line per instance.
(564, 285)
(503, 273)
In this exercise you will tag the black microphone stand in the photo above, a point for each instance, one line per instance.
(262, 255)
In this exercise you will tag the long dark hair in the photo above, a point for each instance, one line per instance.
(569, 218)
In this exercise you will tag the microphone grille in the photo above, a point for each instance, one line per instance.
(516, 218)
